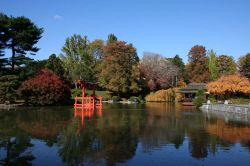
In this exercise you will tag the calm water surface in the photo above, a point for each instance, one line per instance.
(150, 134)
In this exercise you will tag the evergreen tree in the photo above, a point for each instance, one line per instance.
(55, 64)
(19, 34)
(177, 60)
(3, 39)
(111, 38)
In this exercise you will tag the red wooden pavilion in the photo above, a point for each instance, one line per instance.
(87, 102)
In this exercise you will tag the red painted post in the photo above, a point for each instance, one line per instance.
(75, 102)
(100, 100)
(83, 91)
(94, 87)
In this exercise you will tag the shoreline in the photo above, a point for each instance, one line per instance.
(232, 108)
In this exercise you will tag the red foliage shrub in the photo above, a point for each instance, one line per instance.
(45, 88)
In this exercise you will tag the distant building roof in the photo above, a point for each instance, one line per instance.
(193, 88)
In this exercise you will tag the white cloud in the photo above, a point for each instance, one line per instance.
(57, 17)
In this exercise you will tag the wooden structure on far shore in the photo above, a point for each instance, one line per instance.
(189, 92)
(87, 102)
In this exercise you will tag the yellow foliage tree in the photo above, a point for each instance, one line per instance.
(181, 83)
(229, 84)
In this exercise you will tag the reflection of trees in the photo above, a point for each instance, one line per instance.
(13, 142)
(230, 132)
(198, 144)
(43, 123)
(118, 141)
(16, 126)
(16, 150)
(163, 125)
(168, 123)
(76, 146)
(111, 139)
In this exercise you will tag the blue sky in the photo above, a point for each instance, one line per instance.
(167, 27)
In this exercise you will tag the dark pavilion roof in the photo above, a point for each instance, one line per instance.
(193, 88)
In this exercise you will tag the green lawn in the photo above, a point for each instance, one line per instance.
(78, 92)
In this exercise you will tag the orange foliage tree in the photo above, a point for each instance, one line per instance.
(197, 67)
(231, 84)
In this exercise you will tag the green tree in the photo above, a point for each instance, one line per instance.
(55, 64)
(213, 70)
(244, 65)
(111, 38)
(77, 61)
(20, 36)
(226, 65)
(197, 66)
(119, 71)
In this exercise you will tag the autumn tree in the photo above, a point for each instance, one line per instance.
(229, 84)
(244, 65)
(119, 70)
(197, 66)
(213, 70)
(225, 65)
(158, 71)
(20, 35)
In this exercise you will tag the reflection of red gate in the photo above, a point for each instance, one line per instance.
(88, 101)
(87, 113)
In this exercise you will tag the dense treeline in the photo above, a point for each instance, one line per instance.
(113, 63)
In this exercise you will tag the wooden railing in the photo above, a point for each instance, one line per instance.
(87, 102)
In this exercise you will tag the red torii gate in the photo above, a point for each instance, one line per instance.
(88, 101)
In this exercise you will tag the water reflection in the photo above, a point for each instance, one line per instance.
(97, 140)
(123, 134)
(19, 127)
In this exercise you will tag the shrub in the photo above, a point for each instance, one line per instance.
(212, 99)
(45, 88)
(140, 98)
(134, 99)
(199, 99)
(77, 92)
(169, 95)
(115, 98)
(239, 100)
(8, 86)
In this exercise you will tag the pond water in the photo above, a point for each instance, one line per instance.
(149, 134)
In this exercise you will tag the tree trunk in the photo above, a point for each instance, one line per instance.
(75, 82)
(13, 58)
